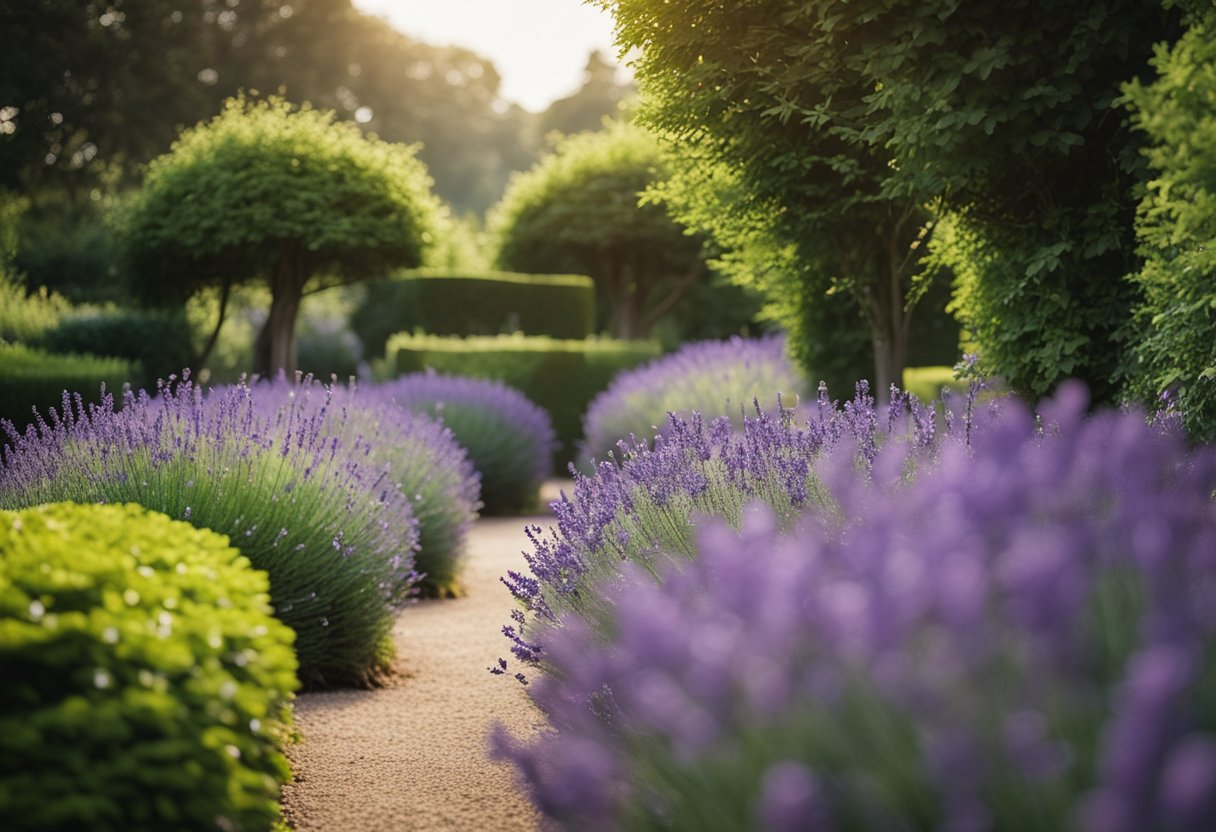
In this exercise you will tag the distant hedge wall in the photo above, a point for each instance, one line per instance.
(561, 376)
(158, 341)
(490, 303)
(31, 378)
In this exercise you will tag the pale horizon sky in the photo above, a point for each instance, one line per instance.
(539, 47)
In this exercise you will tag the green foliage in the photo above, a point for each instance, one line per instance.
(146, 682)
(26, 317)
(843, 123)
(577, 211)
(159, 341)
(102, 90)
(927, 383)
(286, 196)
(562, 376)
(1176, 324)
(482, 303)
(34, 379)
(73, 255)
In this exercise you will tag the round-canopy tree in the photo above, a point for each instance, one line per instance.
(578, 211)
(288, 196)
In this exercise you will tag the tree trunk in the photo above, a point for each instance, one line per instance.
(200, 360)
(668, 303)
(889, 320)
(276, 344)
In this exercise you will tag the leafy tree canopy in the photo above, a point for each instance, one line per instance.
(847, 120)
(89, 91)
(264, 191)
(577, 211)
(1176, 323)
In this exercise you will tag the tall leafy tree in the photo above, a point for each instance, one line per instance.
(578, 211)
(1176, 323)
(293, 198)
(846, 120)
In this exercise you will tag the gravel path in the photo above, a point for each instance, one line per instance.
(412, 756)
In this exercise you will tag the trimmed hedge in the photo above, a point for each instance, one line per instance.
(31, 378)
(146, 684)
(562, 376)
(488, 303)
(159, 341)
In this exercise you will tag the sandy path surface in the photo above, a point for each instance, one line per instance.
(412, 756)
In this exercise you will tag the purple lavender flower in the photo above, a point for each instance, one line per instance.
(421, 456)
(509, 439)
(1021, 639)
(713, 378)
(643, 504)
(312, 508)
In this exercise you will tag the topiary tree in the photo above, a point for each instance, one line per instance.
(1176, 324)
(287, 196)
(578, 211)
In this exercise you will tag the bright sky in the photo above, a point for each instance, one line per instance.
(539, 47)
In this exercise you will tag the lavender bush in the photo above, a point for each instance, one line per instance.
(509, 439)
(1024, 640)
(335, 534)
(643, 505)
(713, 378)
(420, 455)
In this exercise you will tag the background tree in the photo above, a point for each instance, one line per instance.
(290, 197)
(91, 91)
(600, 96)
(1176, 323)
(1011, 114)
(845, 121)
(577, 211)
(716, 81)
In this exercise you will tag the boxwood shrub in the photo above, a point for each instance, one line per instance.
(33, 378)
(486, 303)
(561, 376)
(146, 685)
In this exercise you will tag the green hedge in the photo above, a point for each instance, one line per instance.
(490, 303)
(159, 341)
(146, 684)
(561, 376)
(31, 378)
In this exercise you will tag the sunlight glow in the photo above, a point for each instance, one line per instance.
(539, 47)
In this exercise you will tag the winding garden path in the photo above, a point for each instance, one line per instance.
(412, 755)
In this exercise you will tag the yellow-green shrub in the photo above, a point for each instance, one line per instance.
(146, 684)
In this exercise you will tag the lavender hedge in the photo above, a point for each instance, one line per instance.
(1024, 639)
(509, 439)
(644, 503)
(312, 509)
(420, 456)
(713, 378)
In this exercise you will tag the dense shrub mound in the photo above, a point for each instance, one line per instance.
(508, 438)
(713, 378)
(312, 508)
(146, 685)
(1021, 638)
